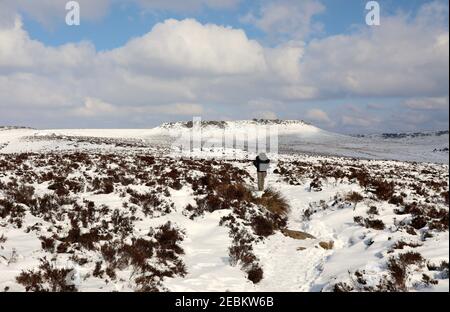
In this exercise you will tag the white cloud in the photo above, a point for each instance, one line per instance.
(318, 115)
(263, 104)
(190, 47)
(19, 53)
(49, 12)
(185, 67)
(432, 103)
(284, 60)
(186, 109)
(95, 107)
(358, 121)
(286, 18)
(23, 90)
(266, 115)
(402, 57)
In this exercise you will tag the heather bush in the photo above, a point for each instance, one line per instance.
(47, 278)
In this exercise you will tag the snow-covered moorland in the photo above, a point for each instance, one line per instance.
(120, 214)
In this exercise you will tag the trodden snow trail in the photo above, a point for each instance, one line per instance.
(207, 260)
(285, 266)
(290, 264)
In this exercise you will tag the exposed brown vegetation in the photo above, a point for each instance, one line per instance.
(398, 267)
(274, 202)
(297, 234)
(110, 234)
(355, 198)
(369, 223)
(327, 245)
(46, 278)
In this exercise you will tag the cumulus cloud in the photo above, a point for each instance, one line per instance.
(402, 57)
(192, 47)
(286, 18)
(184, 67)
(19, 53)
(284, 60)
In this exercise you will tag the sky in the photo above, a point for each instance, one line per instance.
(138, 63)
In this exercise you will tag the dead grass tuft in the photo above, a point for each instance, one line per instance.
(354, 197)
(274, 202)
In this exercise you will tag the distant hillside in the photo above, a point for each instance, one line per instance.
(215, 129)
(227, 124)
(13, 127)
(294, 136)
(403, 135)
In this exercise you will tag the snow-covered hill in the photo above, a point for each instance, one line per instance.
(299, 136)
(218, 127)
(293, 136)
